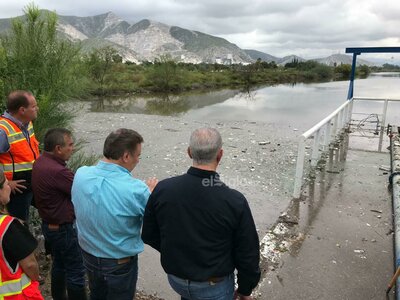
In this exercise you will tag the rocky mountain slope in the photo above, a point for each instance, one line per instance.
(338, 59)
(332, 60)
(148, 40)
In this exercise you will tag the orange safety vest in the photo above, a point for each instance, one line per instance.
(14, 285)
(22, 154)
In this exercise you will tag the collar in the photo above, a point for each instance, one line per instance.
(55, 158)
(202, 173)
(111, 167)
(21, 125)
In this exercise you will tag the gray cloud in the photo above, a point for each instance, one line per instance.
(279, 27)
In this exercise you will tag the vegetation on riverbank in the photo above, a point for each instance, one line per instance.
(165, 75)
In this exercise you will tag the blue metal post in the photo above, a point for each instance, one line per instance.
(358, 51)
(396, 187)
(352, 75)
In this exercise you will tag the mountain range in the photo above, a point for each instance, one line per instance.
(147, 40)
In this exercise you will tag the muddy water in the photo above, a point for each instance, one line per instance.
(299, 106)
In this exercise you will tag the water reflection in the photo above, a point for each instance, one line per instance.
(167, 106)
(164, 104)
(300, 105)
(248, 94)
(386, 74)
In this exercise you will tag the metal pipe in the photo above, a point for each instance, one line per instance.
(352, 75)
(350, 110)
(342, 147)
(315, 151)
(395, 157)
(374, 99)
(299, 168)
(330, 159)
(396, 209)
(334, 127)
(385, 105)
(327, 135)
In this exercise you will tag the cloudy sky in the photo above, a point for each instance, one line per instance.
(308, 28)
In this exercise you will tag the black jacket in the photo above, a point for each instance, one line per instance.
(203, 229)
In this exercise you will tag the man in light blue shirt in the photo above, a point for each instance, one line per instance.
(109, 207)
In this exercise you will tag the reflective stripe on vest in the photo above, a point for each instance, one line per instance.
(18, 167)
(14, 287)
(16, 137)
(9, 128)
(23, 149)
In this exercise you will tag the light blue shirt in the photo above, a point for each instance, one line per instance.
(109, 207)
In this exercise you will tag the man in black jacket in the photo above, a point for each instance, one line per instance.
(203, 229)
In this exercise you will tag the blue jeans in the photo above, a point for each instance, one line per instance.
(66, 254)
(111, 279)
(195, 290)
(19, 205)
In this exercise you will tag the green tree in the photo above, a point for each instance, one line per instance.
(165, 75)
(247, 74)
(32, 57)
(363, 70)
(323, 72)
(99, 64)
(38, 60)
(343, 71)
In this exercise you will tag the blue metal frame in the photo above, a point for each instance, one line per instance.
(358, 51)
(396, 206)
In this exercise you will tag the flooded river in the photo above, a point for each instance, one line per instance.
(300, 105)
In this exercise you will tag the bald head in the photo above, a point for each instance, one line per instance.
(205, 144)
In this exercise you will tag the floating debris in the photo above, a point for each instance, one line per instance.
(280, 229)
(359, 251)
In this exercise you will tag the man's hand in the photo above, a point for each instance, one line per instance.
(237, 296)
(17, 186)
(151, 183)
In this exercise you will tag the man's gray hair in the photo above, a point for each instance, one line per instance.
(204, 145)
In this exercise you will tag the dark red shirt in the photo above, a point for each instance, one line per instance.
(51, 185)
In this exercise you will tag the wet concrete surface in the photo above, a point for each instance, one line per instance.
(342, 241)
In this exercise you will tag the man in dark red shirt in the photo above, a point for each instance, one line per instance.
(51, 184)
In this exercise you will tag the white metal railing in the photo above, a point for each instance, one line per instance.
(327, 132)
(329, 128)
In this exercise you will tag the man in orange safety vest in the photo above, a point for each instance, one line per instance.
(19, 149)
